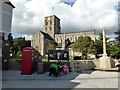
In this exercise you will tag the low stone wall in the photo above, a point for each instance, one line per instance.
(79, 65)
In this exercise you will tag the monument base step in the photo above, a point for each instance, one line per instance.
(107, 69)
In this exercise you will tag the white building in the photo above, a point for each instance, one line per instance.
(6, 10)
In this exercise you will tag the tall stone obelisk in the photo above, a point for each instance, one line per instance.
(105, 61)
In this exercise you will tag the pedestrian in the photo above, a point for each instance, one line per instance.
(60, 67)
(53, 69)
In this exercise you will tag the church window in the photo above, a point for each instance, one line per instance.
(71, 38)
(75, 38)
(38, 35)
(46, 28)
(50, 22)
(46, 23)
(61, 40)
(57, 39)
(50, 28)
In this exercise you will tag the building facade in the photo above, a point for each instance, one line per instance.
(6, 10)
(53, 31)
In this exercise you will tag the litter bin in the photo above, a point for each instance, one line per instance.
(41, 68)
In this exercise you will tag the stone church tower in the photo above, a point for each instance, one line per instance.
(52, 35)
(52, 25)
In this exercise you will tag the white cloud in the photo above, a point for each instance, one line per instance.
(27, 37)
(84, 15)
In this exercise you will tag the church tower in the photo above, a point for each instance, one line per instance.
(52, 25)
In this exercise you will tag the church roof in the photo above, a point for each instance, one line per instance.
(8, 2)
(47, 36)
(90, 31)
(52, 16)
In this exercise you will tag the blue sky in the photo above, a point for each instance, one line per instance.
(28, 16)
(16, 34)
(68, 2)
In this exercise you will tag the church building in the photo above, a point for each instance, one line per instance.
(52, 35)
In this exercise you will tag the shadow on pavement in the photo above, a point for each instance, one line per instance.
(13, 79)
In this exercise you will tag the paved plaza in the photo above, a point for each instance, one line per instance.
(84, 79)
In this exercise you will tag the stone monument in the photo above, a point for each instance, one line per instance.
(106, 62)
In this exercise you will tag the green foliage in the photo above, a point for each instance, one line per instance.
(114, 47)
(17, 45)
(118, 36)
(85, 45)
(99, 44)
(115, 51)
(10, 39)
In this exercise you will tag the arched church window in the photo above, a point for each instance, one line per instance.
(46, 23)
(61, 40)
(46, 28)
(71, 38)
(50, 28)
(50, 22)
(75, 38)
(57, 39)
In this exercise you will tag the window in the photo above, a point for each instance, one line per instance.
(50, 22)
(75, 38)
(61, 40)
(50, 28)
(46, 28)
(46, 23)
(38, 35)
(57, 39)
(71, 38)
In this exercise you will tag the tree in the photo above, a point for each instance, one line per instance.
(85, 45)
(118, 36)
(10, 39)
(115, 47)
(19, 44)
(28, 43)
(99, 44)
(115, 51)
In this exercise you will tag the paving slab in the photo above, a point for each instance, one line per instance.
(84, 79)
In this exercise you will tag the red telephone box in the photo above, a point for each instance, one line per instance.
(27, 62)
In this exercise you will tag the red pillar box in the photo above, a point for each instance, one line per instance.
(27, 60)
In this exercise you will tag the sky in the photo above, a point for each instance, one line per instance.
(84, 15)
